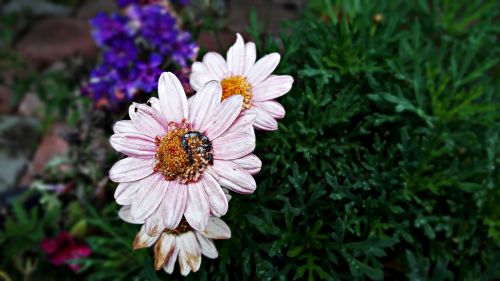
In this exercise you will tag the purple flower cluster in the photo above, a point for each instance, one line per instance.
(137, 47)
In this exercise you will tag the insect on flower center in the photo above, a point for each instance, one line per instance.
(237, 85)
(183, 227)
(183, 154)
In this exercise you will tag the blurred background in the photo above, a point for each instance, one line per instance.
(385, 167)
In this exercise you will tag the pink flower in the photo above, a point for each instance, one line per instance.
(181, 153)
(184, 244)
(240, 75)
(64, 249)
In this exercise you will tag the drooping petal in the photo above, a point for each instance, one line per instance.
(143, 240)
(207, 246)
(233, 145)
(236, 56)
(250, 56)
(164, 249)
(273, 87)
(124, 126)
(174, 204)
(217, 229)
(147, 120)
(131, 169)
(223, 116)
(273, 108)
(216, 197)
(197, 208)
(189, 253)
(251, 163)
(150, 199)
(231, 176)
(125, 215)
(204, 103)
(263, 68)
(265, 121)
(125, 192)
(154, 224)
(173, 100)
(216, 65)
(135, 145)
(170, 261)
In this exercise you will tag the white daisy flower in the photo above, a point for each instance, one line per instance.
(239, 74)
(180, 154)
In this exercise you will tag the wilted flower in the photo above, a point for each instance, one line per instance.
(136, 47)
(240, 75)
(180, 154)
(65, 249)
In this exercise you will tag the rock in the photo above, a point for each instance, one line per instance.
(51, 145)
(6, 96)
(18, 138)
(30, 106)
(52, 39)
(90, 8)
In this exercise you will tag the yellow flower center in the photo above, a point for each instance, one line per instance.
(237, 85)
(182, 154)
(183, 227)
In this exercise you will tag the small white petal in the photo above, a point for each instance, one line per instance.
(173, 100)
(263, 68)
(135, 145)
(216, 65)
(204, 103)
(143, 240)
(150, 197)
(217, 199)
(125, 215)
(131, 169)
(233, 145)
(265, 121)
(164, 249)
(223, 116)
(236, 56)
(231, 176)
(197, 208)
(250, 56)
(207, 246)
(273, 108)
(273, 87)
(217, 229)
(250, 163)
(174, 204)
(125, 126)
(189, 253)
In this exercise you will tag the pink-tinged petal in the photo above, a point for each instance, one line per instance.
(154, 224)
(135, 145)
(207, 246)
(250, 163)
(273, 87)
(173, 100)
(143, 240)
(131, 169)
(189, 253)
(174, 204)
(226, 192)
(164, 249)
(170, 261)
(126, 191)
(155, 103)
(216, 197)
(217, 229)
(265, 121)
(125, 215)
(204, 103)
(236, 56)
(147, 120)
(216, 65)
(244, 123)
(223, 116)
(197, 207)
(274, 108)
(124, 126)
(149, 200)
(231, 176)
(233, 146)
(250, 56)
(263, 68)
(199, 76)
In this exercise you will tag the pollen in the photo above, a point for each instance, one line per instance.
(182, 154)
(183, 227)
(237, 85)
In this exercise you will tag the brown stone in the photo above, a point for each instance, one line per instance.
(218, 43)
(53, 39)
(51, 145)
